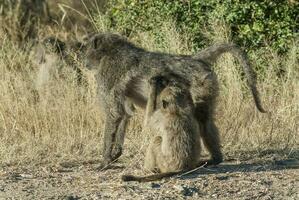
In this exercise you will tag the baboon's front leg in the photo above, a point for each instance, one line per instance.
(111, 127)
(114, 130)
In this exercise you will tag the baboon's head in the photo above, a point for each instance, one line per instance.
(56, 49)
(55, 45)
(176, 96)
(102, 44)
(50, 49)
(106, 41)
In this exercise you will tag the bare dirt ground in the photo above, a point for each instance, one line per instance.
(251, 179)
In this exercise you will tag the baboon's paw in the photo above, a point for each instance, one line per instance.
(116, 152)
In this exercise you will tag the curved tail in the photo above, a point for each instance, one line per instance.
(211, 54)
(148, 178)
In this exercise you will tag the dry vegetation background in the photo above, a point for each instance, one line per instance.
(66, 123)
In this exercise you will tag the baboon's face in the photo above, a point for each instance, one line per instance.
(50, 49)
(173, 92)
(93, 48)
(175, 99)
(100, 45)
(54, 45)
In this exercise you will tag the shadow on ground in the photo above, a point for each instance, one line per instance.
(228, 168)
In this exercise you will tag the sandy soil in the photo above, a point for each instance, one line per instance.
(230, 180)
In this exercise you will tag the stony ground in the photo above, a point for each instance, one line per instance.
(277, 179)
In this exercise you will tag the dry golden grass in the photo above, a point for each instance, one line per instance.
(66, 122)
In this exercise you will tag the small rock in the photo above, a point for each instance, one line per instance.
(205, 184)
(190, 191)
(187, 191)
(29, 176)
(155, 186)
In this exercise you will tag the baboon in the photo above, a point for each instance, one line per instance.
(51, 52)
(170, 119)
(19, 18)
(121, 69)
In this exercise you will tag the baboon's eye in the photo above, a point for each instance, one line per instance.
(164, 104)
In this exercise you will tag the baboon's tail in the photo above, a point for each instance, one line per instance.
(211, 54)
(153, 177)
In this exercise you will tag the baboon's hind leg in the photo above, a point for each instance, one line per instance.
(210, 133)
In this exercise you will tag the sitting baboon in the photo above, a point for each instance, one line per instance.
(170, 119)
(121, 69)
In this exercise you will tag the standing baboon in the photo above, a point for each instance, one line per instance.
(50, 52)
(121, 69)
(170, 119)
